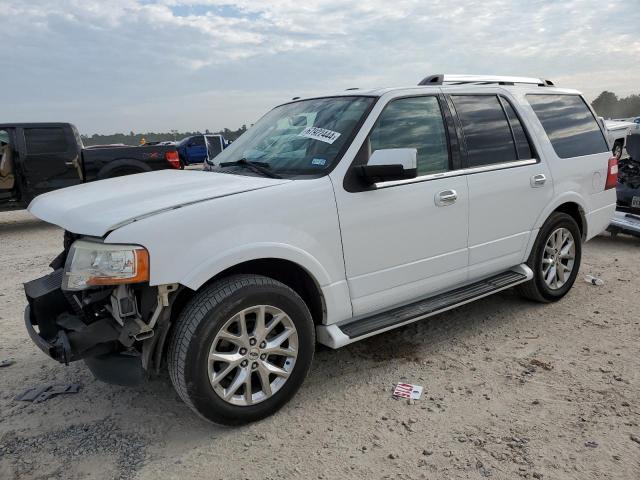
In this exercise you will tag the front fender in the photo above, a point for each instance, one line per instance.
(255, 251)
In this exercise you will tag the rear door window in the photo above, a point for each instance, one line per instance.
(214, 146)
(569, 124)
(197, 141)
(45, 140)
(523, 146)
(486, 131)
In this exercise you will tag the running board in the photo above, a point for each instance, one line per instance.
(338, 335)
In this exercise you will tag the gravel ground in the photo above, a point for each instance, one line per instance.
(512, 389)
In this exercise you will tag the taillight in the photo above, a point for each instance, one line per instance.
(612, 174)
(173, 158)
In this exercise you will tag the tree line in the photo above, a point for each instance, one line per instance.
(133, 138)
(609, 105)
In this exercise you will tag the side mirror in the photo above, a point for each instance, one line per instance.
(390, 164)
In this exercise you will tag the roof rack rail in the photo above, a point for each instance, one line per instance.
(441, 79)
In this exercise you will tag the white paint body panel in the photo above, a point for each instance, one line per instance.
(295, 221)
(367, 251)
(399, 245)
(98, 207)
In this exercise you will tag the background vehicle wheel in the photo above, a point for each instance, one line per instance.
(555, 259)
(241, 349)
(122, 172)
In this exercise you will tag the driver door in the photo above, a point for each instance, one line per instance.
(50, 159)
(196, 150)
(407, 239)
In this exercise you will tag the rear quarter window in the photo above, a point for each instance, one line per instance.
(569, 124)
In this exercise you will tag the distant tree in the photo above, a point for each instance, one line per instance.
(133, 138)
(608, 105)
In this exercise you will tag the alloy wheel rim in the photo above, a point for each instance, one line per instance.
(558, 259)
(252, 355)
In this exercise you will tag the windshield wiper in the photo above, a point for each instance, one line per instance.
(258, 167)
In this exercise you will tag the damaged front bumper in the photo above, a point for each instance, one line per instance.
(67, 329)
(62, 334)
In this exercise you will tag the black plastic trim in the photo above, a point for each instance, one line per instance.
(430, 305)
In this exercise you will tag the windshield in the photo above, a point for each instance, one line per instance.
(301, 138)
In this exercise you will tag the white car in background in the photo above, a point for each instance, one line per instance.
(382, 207)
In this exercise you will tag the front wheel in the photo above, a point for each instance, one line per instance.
(555, 259)
(241, 349)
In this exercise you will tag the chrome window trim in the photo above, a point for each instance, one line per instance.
(456, 173)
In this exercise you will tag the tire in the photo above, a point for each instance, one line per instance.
(538, 288)
(204, 331)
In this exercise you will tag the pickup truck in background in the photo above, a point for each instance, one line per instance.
(616, 133)
(198, 148)
(40, 157)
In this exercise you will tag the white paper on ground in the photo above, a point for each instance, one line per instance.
(407, 390)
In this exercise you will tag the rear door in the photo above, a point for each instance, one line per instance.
(578, 153)
(51, 159)
(509, 186)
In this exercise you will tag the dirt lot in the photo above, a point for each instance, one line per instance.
(513, 389)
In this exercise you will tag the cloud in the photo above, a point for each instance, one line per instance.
(156, 65)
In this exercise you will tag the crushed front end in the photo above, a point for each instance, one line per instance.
(97, 306)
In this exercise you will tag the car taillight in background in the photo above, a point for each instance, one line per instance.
(173, 158)
(612, 174)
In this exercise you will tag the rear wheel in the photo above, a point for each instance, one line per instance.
(555, 259)
(121, 172)
(241, 349)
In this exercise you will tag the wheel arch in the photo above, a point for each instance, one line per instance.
(572, 205)
(291, 273)
(124, 163)
(577, 213)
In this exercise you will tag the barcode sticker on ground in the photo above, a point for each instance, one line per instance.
(407, 390)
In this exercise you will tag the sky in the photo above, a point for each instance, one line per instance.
(119, 65)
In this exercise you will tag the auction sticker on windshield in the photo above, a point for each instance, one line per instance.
(322, 134)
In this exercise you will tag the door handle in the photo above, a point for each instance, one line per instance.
(70, 164)
(538, 180)
(446, 197)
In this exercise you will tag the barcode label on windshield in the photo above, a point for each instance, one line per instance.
(322, 134)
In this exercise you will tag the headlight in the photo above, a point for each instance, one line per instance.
(92, 263)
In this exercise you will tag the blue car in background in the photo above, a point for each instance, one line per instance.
(197, 148)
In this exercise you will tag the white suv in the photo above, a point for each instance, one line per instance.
(332, 219)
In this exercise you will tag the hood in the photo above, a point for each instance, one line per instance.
(99, 207)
